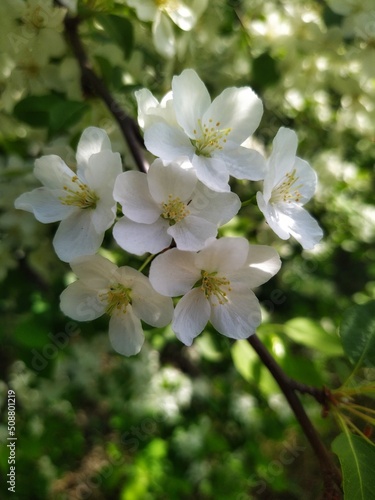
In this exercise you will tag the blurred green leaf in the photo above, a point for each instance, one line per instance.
(65, 114)
(309, 333)
(35, 110)
(51, 111)
(265, 71)
(119, 30)
(356, 458)
(357, 331)
(244, 359)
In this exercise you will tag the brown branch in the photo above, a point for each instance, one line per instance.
(331, 474)
(92, 82)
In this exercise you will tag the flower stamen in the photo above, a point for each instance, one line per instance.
(287, 190)
(118, 297)
(82, 196)
(218, 286)
(209, 138)
(174, 210)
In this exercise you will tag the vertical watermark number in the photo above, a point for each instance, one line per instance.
(11, 441)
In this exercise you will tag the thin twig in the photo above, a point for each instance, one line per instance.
(331, 474)
(90, 80)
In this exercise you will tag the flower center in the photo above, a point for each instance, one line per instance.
(287, 190)
(218, 286)
(118, 297)
(174, 210)
(82, 196)
(166, 4)
(209, 138)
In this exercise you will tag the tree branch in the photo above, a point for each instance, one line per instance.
(91, 81)
(331, 474)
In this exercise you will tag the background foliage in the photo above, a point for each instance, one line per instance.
(205, 422)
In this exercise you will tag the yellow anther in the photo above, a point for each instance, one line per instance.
(118, 297)
(287, 190)
(79, 195)
(174, 210)
(215, 286)
(210, 138)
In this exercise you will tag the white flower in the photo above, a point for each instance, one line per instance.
(288, 184)
(168, 202)
(210, 134)
(82, 201)
(160, 12)
(123, 293)
(150, 111)
(216, 284)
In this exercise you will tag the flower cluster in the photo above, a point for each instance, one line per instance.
(174, 212)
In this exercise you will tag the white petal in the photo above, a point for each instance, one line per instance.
(45, 205)
(239, 109)
(262, 263)
(163, 35)
(146, 103)
(103, 216)
(102, 170)
(282, 157)
(126, 333)
(150, 306)
(191, 99)
(192, 233)
(191, 316)
(271, 215)
(168, 143)
(212, 172)
(215, 207)
(173, 273)
(94, 270)
(182, 16)
(139, 239)
(224, 255)
(52, 171)
(299, 223)
(132, 192)
(244, 163)
(77, 236)
(239, 317)
(81, 303)
(92, 141)
(170, 180)
(307, 180)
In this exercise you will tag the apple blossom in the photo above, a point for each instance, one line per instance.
(125, 294)
(209, 133)
(288, 184)
(160, 12)
(82, 201)
(216, 284)
(168, 202)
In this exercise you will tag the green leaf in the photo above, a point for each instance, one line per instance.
(65, 114)
(265, 70)
(357, 333)
(119, 30)
(356, 458)
(35, 110)
(309, 333)
(51, 111)
(244, 359)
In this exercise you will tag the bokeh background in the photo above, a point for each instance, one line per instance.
(205, 422)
